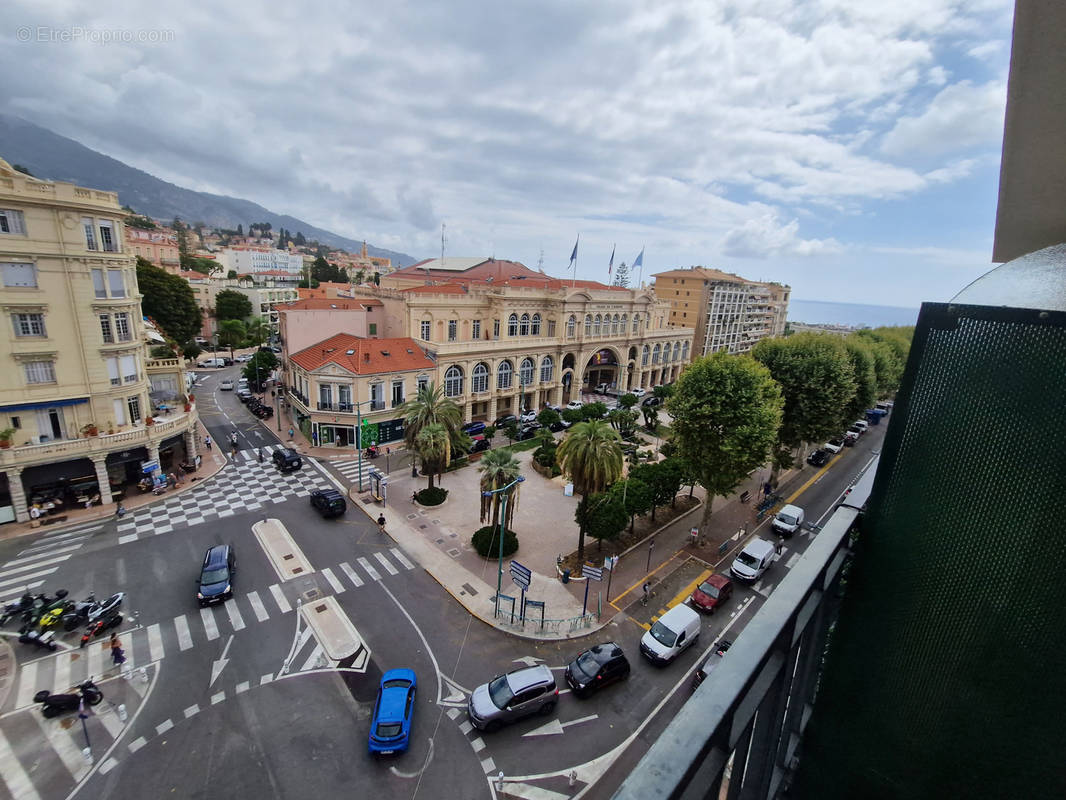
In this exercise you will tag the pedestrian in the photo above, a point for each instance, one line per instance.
(172, 480)
(647, 593)
(314, 439)
(118, 658)
(35, 516)
(120, 512)
(259, 454)
(207, 441)
(381, 523)
(291, 432)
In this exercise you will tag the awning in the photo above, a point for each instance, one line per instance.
(74, 401)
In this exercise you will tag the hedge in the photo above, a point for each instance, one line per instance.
(486, 541)
(431, 497)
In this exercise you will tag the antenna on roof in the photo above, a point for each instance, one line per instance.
(540, 262)
(441, 247)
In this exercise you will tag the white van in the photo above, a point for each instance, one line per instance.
(753, 560)
(788, 520)
(212, 362)
(670, 634)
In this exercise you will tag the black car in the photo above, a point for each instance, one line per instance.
(216, 575)
(651, 401)
(472, 428)
(528, 431)
(328, 502)
(819, 457)
(502, 421)
(287, 460)
(559, 425)
(597, 667)
(479, 444)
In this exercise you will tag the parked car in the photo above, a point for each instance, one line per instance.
(575, 405)
(390, 724)
(216, 575)
(328, 502)
(560, 425)
(244, 359)
(225, 385)
(850, 437)
(528, 431)
(753, 560)
(478, 444)
(287, 460)
(638, 392)
(603, 388)
(553, 407)
(502, 421)
(599, 666)
(509, 697)
(226, 361)
(670, 635)
(819, 457)
(712, 594)
(789, 520)
(529, 415)
(651, 401)
(470, 428)
(834, 446)
(857, 429)
(244, 395)
(862, 424)
(211, 363)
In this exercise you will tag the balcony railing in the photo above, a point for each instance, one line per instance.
(756, 705)
(343, 408)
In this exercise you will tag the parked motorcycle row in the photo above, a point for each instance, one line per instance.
(40, 617)
(257, 406)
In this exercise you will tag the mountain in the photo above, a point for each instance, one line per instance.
(50, 156)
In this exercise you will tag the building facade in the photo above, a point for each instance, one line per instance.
(727, 312)
(78, 412)
(304, 322)
(252, 259)
(159, 245)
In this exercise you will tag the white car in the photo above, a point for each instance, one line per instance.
(603, 388)
(862, 424)
(638, 392)
(834, 445)
(574, 405)
(244, 358)
(226, 385)
(528, 416)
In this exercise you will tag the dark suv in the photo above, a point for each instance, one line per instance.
(328, 502)
(503, 420)
(287, 460)
(597, 667)
(216, 575)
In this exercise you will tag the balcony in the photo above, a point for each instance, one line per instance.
(340, 408)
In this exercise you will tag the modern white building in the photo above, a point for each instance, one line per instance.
(252, 260)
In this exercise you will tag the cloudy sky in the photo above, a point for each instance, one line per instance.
(849, 148)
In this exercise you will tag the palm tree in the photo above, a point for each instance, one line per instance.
(591, 456)
(231, 333)
(498, 468)
(258, 330)
(434, 447)
(430, 407)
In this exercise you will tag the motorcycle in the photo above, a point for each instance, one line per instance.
(90, 610)
(371, 452)
(55, 704)
(99, 627)
(17, 608)
(41, 638)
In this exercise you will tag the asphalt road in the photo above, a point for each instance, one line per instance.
(245, 703)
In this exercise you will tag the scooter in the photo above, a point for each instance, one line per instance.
(41, 638)
(90, 610)
(56, 704)
(16, 608)
(99, 627)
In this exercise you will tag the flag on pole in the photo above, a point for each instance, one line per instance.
(640, 263)
(573, 255)
(610, 264)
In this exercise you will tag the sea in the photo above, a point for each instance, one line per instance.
(854, 315)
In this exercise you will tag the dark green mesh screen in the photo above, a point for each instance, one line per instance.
(945, 672)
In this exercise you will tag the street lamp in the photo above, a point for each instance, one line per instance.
(503, 529)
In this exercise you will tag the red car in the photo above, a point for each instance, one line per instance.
(713, 593)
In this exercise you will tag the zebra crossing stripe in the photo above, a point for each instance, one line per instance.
(352, 576)
(373, 573)
(42, 563)
(235, 618)
(257, 606)
(279, 598)
(66, 750)
(27, 587)
(184, 637)
(155, 642)
(129, 537)
(399, 556)
(316, 653)
(338, 587)
(385, 563)
(13, 775)
(28, 559)
(96, 658)
(19, 581)
(209, 623)
(27, 686)
(61, 681)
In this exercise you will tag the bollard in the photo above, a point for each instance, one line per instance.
(87, 754)
(121, 711)
(499, 782)
(572, 777)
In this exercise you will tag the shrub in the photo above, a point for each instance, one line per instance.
(431, 497)
(487, 544)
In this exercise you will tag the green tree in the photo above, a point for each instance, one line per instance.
(191, 350)
(726, 411)
(322, 270)
(430, 407)
(651, 417)
(22, 169)
(592, 411)
(548, 417)
(168, 300)
(300, 240)
(627, 401)
(258, 369)
(635, 495)
(498, 468)
(240, 229)
(663, 478)
(860, 353)
(817, 382)
(434, 448)
(510, 430)
(231, 275)
(591, 456)
(603, 516)
(231, 304)
(360, 276)
(231, 333)
(571, 415)
(258, 330)
(183, 237)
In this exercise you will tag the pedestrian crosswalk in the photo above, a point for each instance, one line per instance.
(144, 645)
(351, 469)
(30, 569)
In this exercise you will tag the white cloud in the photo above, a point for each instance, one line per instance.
(765, 236)
(961, 118)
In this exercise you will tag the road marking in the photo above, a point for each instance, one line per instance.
(352, 576)
(41, 563)
(478, 744)
(7, 585)
(192, 710)
(217, 698)
(61, 742)
(209, 623)
(338, 587)
(163, 727)
(316, 653)
(373, 573)
(111, 722)
(399, 556)
(235, 618)
(13, 775)
(241, 687)
(385, 563)
(34, 558)
(137, 744)
(266, 679)
(27, 685)
(61, 681)
(129, 537)
(26, 589)
(107, 766)
(488, 765)
(96, 658)
(792, 560)
(184, 637)
(155, 642)
(258, 607)
(279, 598)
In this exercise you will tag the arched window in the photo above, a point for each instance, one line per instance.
(677, 351)
(512, 325)
(666, 353)
(571, 327)
(547, 369)
(479, 379)
(644, 356)
(453, 382)
(503, 375)
(614, 324)
(684, 352)
(535, 325)
(524, 328)
(588, 324)
(525, 372)
(636, 323)
(655, 354)
(596, 325)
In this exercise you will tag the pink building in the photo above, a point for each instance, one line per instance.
(302, 323)
(160, 246)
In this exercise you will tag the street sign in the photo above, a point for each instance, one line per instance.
(610, 562)
(520, 575)
(592, 573)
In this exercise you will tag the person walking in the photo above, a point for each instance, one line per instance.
(259, 454)
(118, 658)
(381, 523)
(172, 480)
(647, 594)
(207, 441)
(291, 433)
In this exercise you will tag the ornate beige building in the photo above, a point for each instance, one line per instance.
(80, 400)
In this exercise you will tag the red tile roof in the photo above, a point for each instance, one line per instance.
(367, 356)
(496, 273)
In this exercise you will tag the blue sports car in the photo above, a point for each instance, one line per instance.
(390, 727)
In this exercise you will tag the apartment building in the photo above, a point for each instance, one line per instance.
(84, 410)
(727, 312)
(159, 245)
(253, 259)
(304, 322)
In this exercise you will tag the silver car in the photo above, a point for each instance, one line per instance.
(510, 697)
